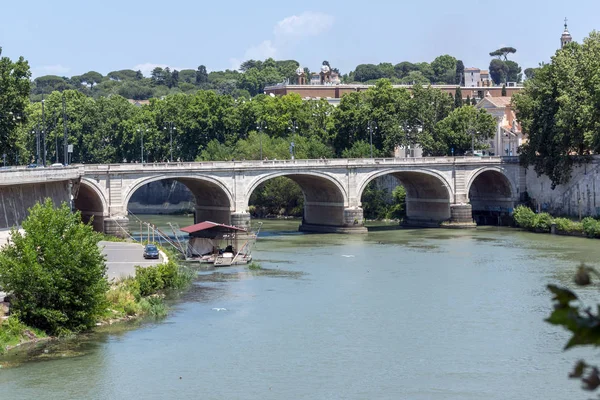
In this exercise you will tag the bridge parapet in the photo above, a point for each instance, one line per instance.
(23, 176)
(301, 163)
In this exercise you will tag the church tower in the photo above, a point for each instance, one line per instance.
(565, 37)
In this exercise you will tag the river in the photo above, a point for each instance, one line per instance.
(396, 314)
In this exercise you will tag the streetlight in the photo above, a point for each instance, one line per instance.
(171, 126)
(372, 126)
(141, 132)
(43, 137)
(293, 128)
(261, 125)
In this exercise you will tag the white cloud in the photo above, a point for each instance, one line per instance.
(287, 30)
(306, 24)
(50, 70)
(147, 68)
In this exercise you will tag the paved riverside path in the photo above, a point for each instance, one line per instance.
(121, 258)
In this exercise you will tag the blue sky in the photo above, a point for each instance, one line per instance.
(70, 37)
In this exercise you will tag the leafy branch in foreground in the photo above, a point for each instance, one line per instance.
(581, 321)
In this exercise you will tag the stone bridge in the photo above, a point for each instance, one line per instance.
(438, 189)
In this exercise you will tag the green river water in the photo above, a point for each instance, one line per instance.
(395, 314)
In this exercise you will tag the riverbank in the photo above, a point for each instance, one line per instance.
(135, 291)
(526, 219)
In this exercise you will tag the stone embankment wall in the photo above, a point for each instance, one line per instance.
(578, 198)
(17, 199)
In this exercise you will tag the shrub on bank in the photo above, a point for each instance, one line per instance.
(542, 222)
(13, 332)
(141, 295)
(527, 219)
(524, 217)
(567, 225)
(591, 227)
(55, 271)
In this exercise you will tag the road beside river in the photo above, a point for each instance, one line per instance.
(121, 258)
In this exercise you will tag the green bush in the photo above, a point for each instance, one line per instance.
(524, 217)
(169, 275)
(567, 225)
(591, 227)
(542, 222)
(149, 279)
(55, 271)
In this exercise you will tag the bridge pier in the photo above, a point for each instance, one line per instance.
(116, 226)
(461, 216)
(241, 220)
(353, 222)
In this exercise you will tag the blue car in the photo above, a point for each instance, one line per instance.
(151, 251)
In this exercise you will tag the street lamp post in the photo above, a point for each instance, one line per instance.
(261, 125)
(43, 137)
(293, 127)
(141, 132)
(171, 127)
(372, 126)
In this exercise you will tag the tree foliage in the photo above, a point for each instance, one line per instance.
(14, 92)
(55, 271)
(503, 52)
(559, 110)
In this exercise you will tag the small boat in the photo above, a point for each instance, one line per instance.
(219, 244)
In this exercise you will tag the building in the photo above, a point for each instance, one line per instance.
(566, 37)
(475, 77)
(334, 92)
(508, 135)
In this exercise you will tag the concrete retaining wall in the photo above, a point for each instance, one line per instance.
(579, 197)
(17, 199)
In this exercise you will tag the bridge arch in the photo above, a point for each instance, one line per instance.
(492, 194)
(325, 198)
(91, 202)
(214, 201)
(428, 194)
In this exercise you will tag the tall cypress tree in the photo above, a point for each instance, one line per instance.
(458, 100)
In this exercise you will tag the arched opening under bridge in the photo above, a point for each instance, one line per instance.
(492, 198)
(427, 201)
(204, 199)
(323, 203)
(90, 202)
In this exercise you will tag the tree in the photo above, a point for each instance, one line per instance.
(529, 72)
(55, 271)
(559, 110)
(460, 73)
(367, 72)
(514, 72)
(174, 78)
(92, 78)
(444, 68)
(571, 313)
(462, 128)
(158, 76)
(201, 75)
(498, 71)
(14, 97)
(503, 52)
(503, 93)
(122, 75)
(404, 68)
(458, 100)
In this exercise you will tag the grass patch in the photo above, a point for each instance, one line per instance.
(14, 332)
(254, 266)
(143, 295)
